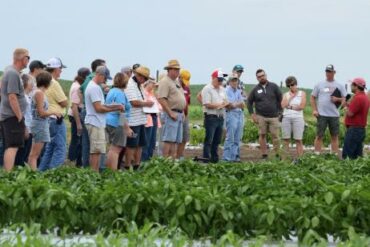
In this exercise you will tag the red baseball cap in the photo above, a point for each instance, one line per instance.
(218, 74)
(359, 82)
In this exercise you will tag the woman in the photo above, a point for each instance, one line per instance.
(153, 122)
(117, 125)
(74, 151)
(40, 118)
(293, 103)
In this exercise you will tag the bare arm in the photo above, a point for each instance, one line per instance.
(39, 98)
(76, 116)
(63, 103)
(284, 102)
(14, 104)
(103, 108)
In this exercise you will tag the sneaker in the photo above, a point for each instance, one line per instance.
(264, 156)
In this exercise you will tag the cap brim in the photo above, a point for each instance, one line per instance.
(166, 68)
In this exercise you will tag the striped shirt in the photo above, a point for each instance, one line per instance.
(135, 92)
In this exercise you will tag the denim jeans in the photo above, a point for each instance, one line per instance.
(151, 139)
(75, 146)
(1, 151)
(214, 127)
(85, 142)
(55, 151)
(353, 140)
(234, 130)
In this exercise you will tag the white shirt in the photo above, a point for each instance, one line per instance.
(135, 92)
(94, 93)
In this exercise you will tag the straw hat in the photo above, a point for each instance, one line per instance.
(172, 64)
(144, 71)
(185, 76)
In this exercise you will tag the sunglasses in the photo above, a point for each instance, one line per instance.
(28, 57)
(260, 76)
(220, 79)
(291, 85)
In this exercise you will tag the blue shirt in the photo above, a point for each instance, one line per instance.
(117, 96)
(234, 96)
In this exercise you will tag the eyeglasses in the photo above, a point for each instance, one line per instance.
(28, 57)
(220, 79)
(260, 76)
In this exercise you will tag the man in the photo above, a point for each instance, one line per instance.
(55, 150)
(184, 79)
(171, 97)
(214, 101)
(238, 71)
(234, 120)
(85, 143)
(95, 115)
(266, 98)
(138, 118)
(127, 70)
(356, 120)
(13, 106)
(323, 103)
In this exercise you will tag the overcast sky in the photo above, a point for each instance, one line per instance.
(285, 38)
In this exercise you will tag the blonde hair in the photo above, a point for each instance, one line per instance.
(20, 53)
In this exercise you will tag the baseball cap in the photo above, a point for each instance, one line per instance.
(218, 74)
(359, 82)
(238, 67)
(329, 68)
(83, 72)
(102, 70)
(36, 64)
(126, 69)
(55, 63)
(135, 66)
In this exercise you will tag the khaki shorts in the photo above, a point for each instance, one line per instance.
(97, 139)
(267, 124)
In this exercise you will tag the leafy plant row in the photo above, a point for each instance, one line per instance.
(321, 194)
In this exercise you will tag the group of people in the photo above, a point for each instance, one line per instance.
(127, 115)
(272, 111)
(130, 113)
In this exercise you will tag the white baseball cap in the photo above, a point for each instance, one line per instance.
(55, 63)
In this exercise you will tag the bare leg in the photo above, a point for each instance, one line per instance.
(335, 144)
(262, 141)
(318, 144)
(94, 161)
(9, 157)
(286, 143)
(112, 157)
(137, 157)
(34, 154)
(299, 145)
(180, 149)
(166, 152)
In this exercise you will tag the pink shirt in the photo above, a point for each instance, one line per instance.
(74, 96)
(151, 97)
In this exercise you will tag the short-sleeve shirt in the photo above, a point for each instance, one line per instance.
(11, 83)
(173, 92)
(135, 92)
(117, 96)
(234, 96)
(322, 92)
(74, 96)
(93, 93)
(359, 106)
(55, 95)
(211, 95)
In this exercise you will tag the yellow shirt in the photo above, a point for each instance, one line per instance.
(55, 95)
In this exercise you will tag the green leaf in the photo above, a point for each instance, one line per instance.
(315, 221)
(198, 206)
(188, 199)
(211, 210)
(134, 211)
(345, 194)
(270, 218)
(181, 210)
(118, 208)
(329, 197)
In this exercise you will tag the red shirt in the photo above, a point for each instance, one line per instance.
(187, 98)
(359, 106)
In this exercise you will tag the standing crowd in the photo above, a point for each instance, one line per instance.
(136, 109)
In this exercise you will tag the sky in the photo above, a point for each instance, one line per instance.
(287, 37)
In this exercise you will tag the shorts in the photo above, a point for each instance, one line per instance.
(323, 122)
(97, 139)
(293, 126)
(40, 131)
(139, 140)
(172, 131)
(13, 132)
(186, 131)
(116, 135)
(267, 124)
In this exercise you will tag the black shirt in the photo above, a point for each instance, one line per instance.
(267, 100)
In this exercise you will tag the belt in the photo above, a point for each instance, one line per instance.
(214, 115)
(355, 127)
(176, 110)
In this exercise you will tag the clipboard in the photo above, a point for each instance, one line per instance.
(337, 94)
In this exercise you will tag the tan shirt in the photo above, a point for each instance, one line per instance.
(173, 92)
(211, 95)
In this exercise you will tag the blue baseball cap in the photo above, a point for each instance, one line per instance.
(238, 67)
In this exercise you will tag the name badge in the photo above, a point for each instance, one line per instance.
(259, 91)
